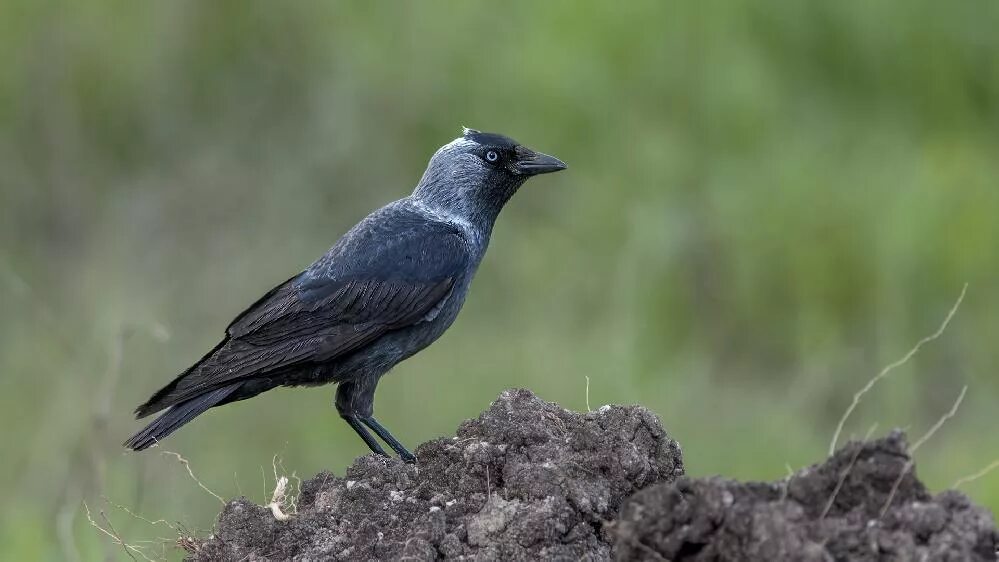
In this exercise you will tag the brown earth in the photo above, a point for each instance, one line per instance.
(529, 480)
(829, 511)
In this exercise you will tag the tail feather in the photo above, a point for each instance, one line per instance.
(176, 416)
(161, 399)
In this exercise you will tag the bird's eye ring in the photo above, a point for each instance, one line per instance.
(492, 156)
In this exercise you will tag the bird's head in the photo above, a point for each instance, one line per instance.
(474, 175)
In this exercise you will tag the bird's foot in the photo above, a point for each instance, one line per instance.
(388, 438)
(356, 423)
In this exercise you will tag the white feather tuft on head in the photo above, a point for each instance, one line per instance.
(465, 131)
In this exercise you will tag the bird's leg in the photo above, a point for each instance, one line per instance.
(355, 402)
(370, 441)
(387, 437)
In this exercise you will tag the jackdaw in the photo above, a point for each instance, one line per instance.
(387, 289)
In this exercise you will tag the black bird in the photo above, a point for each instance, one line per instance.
(390, 287)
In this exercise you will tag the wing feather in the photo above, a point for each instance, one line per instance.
(368, 284)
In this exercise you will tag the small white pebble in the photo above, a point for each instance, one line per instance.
(350, 484)
(604, 409)
(434, 508)
(450, 503)
(728, 499)
(395, 496)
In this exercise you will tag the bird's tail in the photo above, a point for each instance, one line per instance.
(176, 416)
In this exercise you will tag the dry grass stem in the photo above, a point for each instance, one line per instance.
(919, 443)
(588, 408)
(846, 473)
(891, 367)
(943, 419)
(130, 550)
(972, 477)
(187, 465)
(186, 540)
(137, 516)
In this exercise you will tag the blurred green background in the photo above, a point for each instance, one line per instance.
(767, 202)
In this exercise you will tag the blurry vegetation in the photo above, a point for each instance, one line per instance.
(766, 203)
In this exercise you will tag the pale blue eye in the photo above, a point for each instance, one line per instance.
(491, 156)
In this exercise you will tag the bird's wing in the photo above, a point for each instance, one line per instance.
(379, 277)
(387, 279)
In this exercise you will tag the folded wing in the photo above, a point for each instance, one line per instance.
(373, 281)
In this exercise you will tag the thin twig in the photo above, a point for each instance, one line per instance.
(187, 465)
(971, 478)
(137, 516)
(887, 370)
(115, 534)
(919, 443)
(129, 549)
(943, 419)
(588, 408)
(846, 473)
(297, 490)
(186, 540)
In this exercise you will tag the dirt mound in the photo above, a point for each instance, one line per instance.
(830, 511)
(525, 480)
(528, 480)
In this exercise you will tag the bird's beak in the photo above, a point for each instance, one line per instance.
(530, 163)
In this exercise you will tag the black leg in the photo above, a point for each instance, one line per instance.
(355, 401)
(353, 422)
(387, 437)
